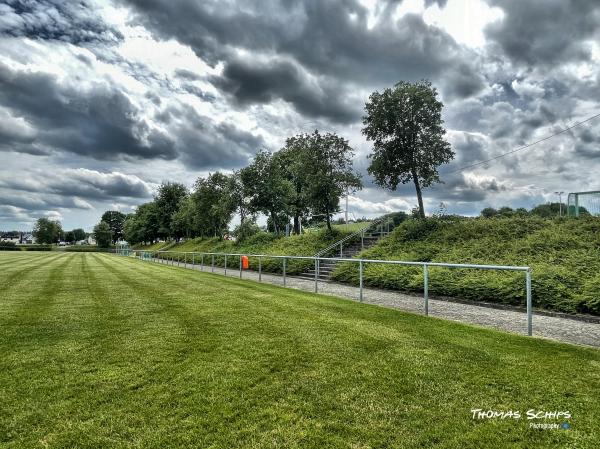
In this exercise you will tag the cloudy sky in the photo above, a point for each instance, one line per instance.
(101, 101)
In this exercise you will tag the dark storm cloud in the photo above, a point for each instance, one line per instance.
(466, 188)
(81, 183)
(324, 39)
(204, 144)
(254, 82)
(588, 143)
(68, 21)
(100, 122)
(545, 32)
(40, 201)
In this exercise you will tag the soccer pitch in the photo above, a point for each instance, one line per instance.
(105, 351)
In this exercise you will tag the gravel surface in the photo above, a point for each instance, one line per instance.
(556, 328)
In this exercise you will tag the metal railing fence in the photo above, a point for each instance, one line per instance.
(212, 260)
(380, 226)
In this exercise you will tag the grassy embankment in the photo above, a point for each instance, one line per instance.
(297, 245)
(106, 351)
(563, 253)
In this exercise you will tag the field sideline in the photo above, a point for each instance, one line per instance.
(106, 351)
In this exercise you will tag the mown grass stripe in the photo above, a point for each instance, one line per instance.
(19, 274)
(200, 360)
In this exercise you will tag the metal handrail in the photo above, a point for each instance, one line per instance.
(362, 262)
(345, 239)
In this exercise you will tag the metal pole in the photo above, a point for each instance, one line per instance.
(213, 263)
(240, 267)
(284, 260)
(426, 287)
(202, 263)
(341, 254)
(529, 305)
(360, 277)
(316, 275)
(193, 260)
(362, 240)
(260, 269)
(225, 264)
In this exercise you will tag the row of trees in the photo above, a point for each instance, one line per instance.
(306, 178)
(48, 231)
(547, 210)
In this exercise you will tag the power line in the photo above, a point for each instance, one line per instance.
(525, 146)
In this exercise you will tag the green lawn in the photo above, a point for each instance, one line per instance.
(103, 351)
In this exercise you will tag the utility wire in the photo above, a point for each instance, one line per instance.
(525, 146)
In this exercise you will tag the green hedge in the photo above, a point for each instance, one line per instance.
(563, 253)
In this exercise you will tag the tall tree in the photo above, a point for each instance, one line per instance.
(70, 237)
(103, 234)
(291, 161)
(268, 190)
(47, 231)
(405, 125)
(213, 205)
(167, 200)
(115, 220)
(240, 194)
(329, 173)
(79, 234)
(182, 222)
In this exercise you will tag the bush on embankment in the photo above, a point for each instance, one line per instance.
(262, 243)
(563, 253)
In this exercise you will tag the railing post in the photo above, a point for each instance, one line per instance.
(341, 251)
(202, 262)
(225, 264)
(316, 274)
(260, 269)
(193, 260)
(213, 263)
(529, 303)
(360, 279)
(240, 267)
(362, 240)
(284, 262)
(426, 287)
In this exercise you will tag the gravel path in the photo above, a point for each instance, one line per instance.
(556, 328)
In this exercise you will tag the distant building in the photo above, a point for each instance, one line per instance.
(91, 240)
(28, 239)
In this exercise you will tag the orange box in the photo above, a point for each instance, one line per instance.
(245, 262)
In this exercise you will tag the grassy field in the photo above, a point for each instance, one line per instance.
(106, 351)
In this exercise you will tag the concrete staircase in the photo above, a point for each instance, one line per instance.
(326, 267)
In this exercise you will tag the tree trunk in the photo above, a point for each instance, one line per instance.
(328, 218)
(275, 227)
(419, 194)
(296, 224)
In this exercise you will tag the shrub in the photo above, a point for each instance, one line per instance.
(9, 246)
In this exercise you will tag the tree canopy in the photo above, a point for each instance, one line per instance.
(329, 173)
(115, 221)
(47, 231)
(405, 125)
(307, 177)
(103, 234)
